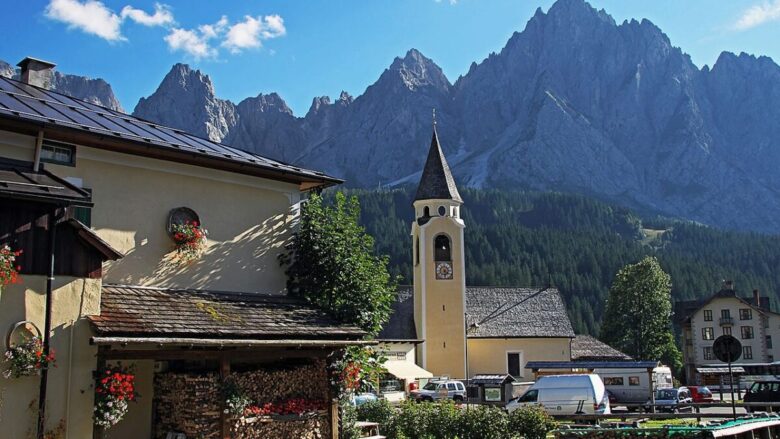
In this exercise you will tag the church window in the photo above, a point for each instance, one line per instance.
(442, 249)
(442, 210)
(417, 250)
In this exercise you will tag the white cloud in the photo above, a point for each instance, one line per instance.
(91, 16)
(212, 30)
(757, 15)
(249, 33)
(162, 15)
(191, 42)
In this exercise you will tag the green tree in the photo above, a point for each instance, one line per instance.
(638, 313)
(332, 264)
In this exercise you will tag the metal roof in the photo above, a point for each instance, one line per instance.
(23, 102)
(491, 379)
(20, 183)
(591, 364)
(720, 370)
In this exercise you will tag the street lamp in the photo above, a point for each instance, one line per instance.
(469, 327)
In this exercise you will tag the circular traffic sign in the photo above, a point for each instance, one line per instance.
(727, 348)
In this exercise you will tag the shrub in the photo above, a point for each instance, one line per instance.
(379, 411)
(484, 422)
(348, 415)
(530, 422)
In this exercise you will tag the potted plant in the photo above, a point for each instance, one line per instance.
(190, 239)
(27, 358)
(9, 271)
(115, 388)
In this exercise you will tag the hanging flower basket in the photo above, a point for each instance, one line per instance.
(27, 358)
(190, 239)
(9, 271)
(115, 388)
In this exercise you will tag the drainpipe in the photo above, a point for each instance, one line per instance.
(38, 148)
(47, 323)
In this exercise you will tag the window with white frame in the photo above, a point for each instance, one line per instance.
(708, 333)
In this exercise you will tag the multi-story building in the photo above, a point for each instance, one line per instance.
(749, 319)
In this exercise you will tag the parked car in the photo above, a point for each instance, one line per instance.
(440, 389)
(566, 395)
(763, 391)
(700, 394)
(673, 400)
(365, 393)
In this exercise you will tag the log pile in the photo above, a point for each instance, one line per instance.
(272, 385)
(311, 428)
(189, 404)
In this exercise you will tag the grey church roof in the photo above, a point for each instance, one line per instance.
(587, 348)
(436, 182)
(517, 312)
(401, 324)
(501, 312)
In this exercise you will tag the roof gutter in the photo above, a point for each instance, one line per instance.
(226, 343)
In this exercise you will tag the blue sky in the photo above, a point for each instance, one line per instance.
(308, 48)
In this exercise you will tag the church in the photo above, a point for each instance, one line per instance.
(445, 327)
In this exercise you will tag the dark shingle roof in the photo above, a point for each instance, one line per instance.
(401, 324)
(500, 312)
(517, 312)
(436, 182)
(26, 103)
(19, 181)
(587, 348)
(155, 312)
(685, 309)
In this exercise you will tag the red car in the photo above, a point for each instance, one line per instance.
(700, 394)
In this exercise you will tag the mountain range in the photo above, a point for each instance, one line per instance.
(575, 102)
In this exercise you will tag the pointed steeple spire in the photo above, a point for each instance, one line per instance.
(436, 182)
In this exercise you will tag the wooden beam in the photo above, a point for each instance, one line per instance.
(228, 342)
(266, 355)
(224, 373)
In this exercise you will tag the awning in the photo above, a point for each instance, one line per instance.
(406, 370)
(719, 370)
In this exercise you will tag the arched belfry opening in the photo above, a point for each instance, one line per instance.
(442, 249)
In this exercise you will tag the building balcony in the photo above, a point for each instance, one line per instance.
(726, 321)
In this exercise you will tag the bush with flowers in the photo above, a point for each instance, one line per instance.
(27, 359)
(9, 271)
(115, 388)
(190, 239)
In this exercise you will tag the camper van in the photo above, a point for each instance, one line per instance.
(632, 386)
(566, 395)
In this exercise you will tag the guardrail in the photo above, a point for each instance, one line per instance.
(693, 411)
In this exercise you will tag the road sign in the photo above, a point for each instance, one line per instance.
(727, 348)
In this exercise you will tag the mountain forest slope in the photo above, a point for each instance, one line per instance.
(578, 244)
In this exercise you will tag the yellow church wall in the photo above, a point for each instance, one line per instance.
(442, 321)
(489, 355)
(248, 218)
(67, 411)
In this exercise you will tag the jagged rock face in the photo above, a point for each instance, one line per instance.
(185, 99)
(96, 91)
(574, 102)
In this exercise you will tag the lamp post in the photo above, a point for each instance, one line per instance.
(466, 343)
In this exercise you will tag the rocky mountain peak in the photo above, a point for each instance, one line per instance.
(416, 71)
(345, 99)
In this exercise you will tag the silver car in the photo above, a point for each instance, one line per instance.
(438, 390)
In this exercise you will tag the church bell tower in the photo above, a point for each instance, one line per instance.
(439, 270)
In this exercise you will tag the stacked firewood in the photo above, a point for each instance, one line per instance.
(272, 385)
(189, 404)
(313, 428)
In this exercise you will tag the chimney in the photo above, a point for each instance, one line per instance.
(728, 285)
(756, 298)
(37, 72)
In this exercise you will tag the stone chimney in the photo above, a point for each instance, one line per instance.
(37, 72)
(756, 298)
(728, 285)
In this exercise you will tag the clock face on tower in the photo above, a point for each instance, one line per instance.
(444, 270)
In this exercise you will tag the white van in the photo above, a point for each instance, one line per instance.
(566, 395)
(632, 386)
